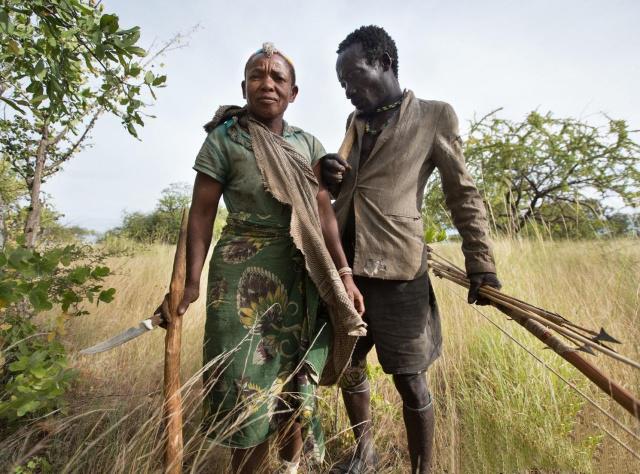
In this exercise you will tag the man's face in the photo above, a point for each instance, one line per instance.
(268, 86)
(364, 83)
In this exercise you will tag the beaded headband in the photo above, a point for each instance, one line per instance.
(269, 49)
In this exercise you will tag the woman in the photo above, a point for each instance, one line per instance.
(279, 252)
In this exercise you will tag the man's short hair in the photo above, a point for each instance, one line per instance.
(375, 42)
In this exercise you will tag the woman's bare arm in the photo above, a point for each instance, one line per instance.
(331, 236)
(202, 215)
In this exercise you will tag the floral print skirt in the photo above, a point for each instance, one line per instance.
(266, 342)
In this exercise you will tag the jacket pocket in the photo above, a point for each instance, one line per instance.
(407, 216)
(405, 223)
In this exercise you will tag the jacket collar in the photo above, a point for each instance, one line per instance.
(408, 102)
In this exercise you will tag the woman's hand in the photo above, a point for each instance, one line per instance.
(191, 294)
(354, 293)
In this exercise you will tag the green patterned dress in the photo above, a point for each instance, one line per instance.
(265, 342)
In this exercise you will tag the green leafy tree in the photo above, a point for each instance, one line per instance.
(560, 173)
(12, 190)
(168, 214)
(163, 224)
(64, 63)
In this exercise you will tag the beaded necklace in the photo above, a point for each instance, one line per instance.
(384, 108)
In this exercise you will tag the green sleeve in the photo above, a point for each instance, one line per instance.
(211, 161)
(316, 149)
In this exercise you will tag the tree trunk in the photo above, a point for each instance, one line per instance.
(32, 225)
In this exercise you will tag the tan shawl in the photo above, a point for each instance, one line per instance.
(288, 176)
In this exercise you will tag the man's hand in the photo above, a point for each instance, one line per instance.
(333, 169)
(477, 280)
(191, 293)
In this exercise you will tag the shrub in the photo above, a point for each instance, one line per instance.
(33, 369)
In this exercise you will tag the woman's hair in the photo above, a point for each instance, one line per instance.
(269, 49)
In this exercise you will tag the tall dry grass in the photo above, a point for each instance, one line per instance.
(498, 409)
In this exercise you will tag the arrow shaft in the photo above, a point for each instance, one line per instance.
(611, 388)
(540, 328)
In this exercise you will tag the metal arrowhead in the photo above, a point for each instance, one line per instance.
(131, 333)
(587, 349)
(605, 336)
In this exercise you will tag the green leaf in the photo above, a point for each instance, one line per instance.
(12, 104)
(40, 300)
(159, 81)
(15, 48)
(68, 298)
(131, 37)
(79, 275)
(99, 51)
(4, 20)
(40, 70)
(7, 293)
(19, 365)
(39, 371)
(149, 77)
(109, 23)
(66, 257)
(28, 407)
(107, 296)
(35, 87)
(100, 272)
(131, 129)
(38, 99)
(134, 70)
(137, 50)
(19, 258)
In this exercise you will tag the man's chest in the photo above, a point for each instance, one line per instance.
(368, 143)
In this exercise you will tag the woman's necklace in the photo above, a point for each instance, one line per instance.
(384, 108)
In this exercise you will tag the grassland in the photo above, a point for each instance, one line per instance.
(499, 410)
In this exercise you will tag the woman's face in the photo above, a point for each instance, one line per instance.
(268, 86)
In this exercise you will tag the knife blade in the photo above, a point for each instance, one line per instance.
(144, 327)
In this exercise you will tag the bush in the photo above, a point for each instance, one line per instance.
(33, 370)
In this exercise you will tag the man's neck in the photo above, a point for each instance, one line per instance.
(394, 94)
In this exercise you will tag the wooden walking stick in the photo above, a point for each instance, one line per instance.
(172, 345)
(349, 138)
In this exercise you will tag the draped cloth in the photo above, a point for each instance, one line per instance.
(289, 178)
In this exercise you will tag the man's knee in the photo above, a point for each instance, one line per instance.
(413, 389)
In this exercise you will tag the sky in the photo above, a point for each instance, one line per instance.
(574, 58)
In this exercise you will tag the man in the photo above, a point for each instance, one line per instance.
(399, 141)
